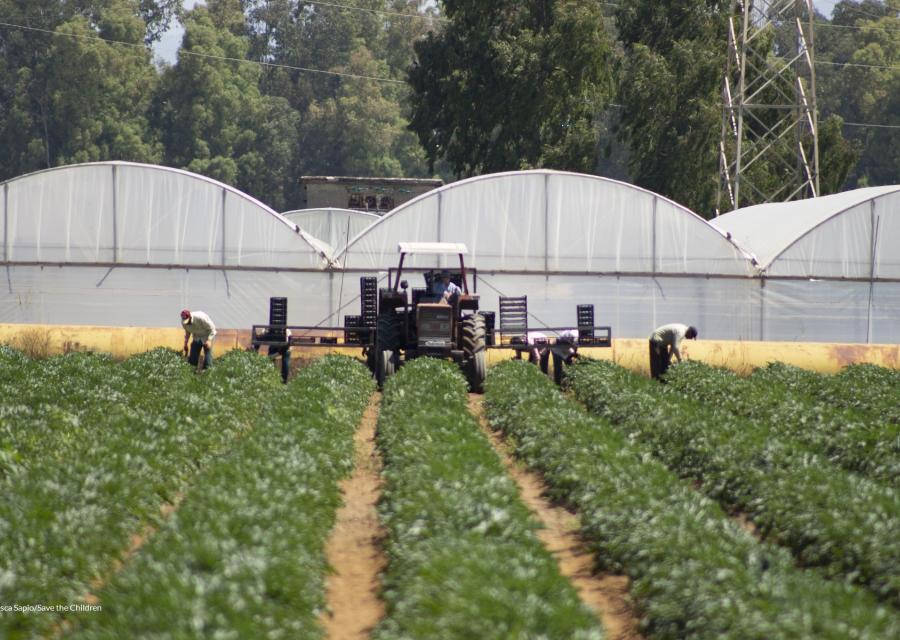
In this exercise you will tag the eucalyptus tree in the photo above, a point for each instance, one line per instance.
(860, 80)
(512, 84)
(75, 84)
(211, 115)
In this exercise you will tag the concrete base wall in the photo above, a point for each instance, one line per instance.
(740, 356)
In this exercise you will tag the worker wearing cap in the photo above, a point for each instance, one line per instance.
(445, 289)
(200, 326)
(666, 342)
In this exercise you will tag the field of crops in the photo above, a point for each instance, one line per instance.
(143, 500)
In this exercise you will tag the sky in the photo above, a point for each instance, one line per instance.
(167, 48)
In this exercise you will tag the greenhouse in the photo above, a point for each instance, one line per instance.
(565, 239)
(124, 244)
(333, 226)
(829, 266)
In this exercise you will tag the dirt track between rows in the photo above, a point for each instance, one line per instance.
(354, 547)
(605, 594)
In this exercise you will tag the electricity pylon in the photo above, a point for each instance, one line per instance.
(769, 149)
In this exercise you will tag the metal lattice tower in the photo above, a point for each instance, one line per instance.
(769, 150)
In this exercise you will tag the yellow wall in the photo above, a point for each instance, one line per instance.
(631, 353)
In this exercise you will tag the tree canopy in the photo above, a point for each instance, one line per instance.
(264, 91)
(512, 85)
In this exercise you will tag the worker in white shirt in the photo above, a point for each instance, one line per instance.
(666, 342)
(199, 326)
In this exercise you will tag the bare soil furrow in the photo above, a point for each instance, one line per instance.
(606, 594)
(354, 548)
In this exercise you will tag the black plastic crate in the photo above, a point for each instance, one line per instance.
(277, 318)
(585, 315)
(352, 337)
(368, 296)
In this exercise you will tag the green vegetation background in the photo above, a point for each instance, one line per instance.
(627, 89)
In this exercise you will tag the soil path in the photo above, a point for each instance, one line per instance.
(354, 548)
(605, 594)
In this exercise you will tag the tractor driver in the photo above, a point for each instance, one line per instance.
(446, 290)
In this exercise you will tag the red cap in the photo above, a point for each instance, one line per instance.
(185, 314)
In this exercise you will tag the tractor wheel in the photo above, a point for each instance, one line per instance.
(385, 353)
(387, 366)
(473, 345)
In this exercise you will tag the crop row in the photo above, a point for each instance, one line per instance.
(46, 404)
(244, 555)
(850, 438)
(463, 559)
(695, 573)
(111, 459)
(868, 388)
(838, 521)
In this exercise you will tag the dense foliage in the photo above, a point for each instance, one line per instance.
(512, 85)
(463, 559)
(263, 92)
(838, 521)
(856, 440)
(243, 556)
(695, 572)
(93, 449)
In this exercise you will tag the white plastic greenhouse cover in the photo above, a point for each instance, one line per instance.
(565, 239)
(545, 221)
(853, 234)
(118, 243)
(335, 227)
(829, 265)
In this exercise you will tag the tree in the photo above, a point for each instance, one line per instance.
(70, 96)
(350, 124)
(863, 85)
(670, 91)
(510, 85)
(669, 88)
(212, 118)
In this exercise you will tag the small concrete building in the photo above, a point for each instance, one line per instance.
(375, 195)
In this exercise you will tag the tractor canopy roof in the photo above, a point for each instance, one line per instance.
(433, 247)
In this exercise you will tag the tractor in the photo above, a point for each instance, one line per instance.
(422, 324)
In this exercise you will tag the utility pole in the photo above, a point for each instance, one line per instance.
(769, 148)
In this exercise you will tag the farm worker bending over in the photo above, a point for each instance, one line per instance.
(570, 337)
(445, 289)
(199, 325)
(665, 342)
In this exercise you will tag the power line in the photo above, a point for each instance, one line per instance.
(207, 55)
(860, 12)
(378, 11)
(856, 26)
(876, 126)
(854, 64)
